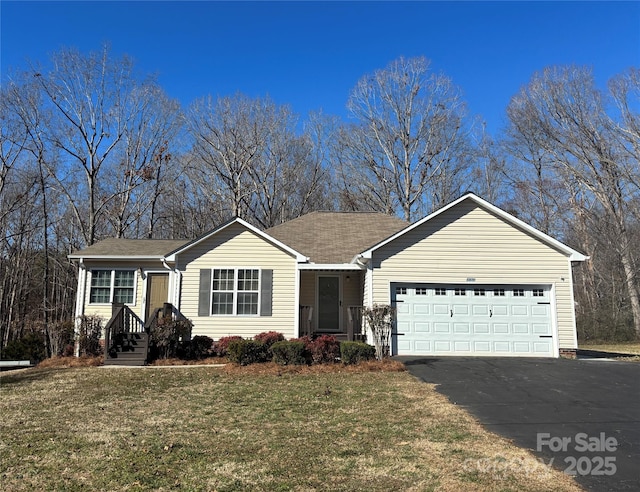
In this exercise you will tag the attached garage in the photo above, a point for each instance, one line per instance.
(479, 320)
(472, 279)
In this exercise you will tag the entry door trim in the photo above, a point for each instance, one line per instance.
(147, 293)
(338, 329)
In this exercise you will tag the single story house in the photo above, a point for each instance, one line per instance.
(469, 279)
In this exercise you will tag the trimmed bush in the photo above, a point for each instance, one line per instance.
(324, 350)
(269, 338)
(165, 337)
(354, 352)
(289, 353)
(245, 352)
(221, 347)
(199, 347)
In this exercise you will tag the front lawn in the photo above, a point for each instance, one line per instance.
(618, 347)
(206, 428)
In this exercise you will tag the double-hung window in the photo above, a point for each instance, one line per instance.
(109, 286)
(235, 291)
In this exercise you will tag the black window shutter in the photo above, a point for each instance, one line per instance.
(266, 293)
(204, 293)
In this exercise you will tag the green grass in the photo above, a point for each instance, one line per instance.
(208, 429)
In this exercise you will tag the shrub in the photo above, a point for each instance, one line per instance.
(221, 347)
(29, 347)
(288, 353)
(324, 349)
(90, 331)
(269, 338)
(165, 337)
(354, 352)
(245, 352)
(61, 337)
(199, 347)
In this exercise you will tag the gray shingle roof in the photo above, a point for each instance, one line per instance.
(130, 247)
(336, 237)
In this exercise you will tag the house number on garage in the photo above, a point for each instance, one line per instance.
(471, 279)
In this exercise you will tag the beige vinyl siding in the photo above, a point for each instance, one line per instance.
(237, 247)
(104, 310)
(468, 242)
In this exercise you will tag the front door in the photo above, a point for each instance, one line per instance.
(329, 303)
(157, 292)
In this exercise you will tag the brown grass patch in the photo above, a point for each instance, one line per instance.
(271, 368)
(182, 362)
(67, 362)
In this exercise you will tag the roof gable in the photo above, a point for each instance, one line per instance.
(263, 235)
(514, 221)
(336, 237)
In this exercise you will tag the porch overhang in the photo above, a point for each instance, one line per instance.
(336, 267)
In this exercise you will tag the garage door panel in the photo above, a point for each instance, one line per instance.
(422, 327)
(441, 308)
(519, 310)
(463, 328)
(441, 328)
(421, 309)
(480, 310)
(460, 309)
(482, 347)
(483, 320)
(520, 329)
(481, 328)
(500, 328)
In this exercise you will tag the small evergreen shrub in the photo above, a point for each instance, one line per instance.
(221, 347)
(29, 347)
(354, 352)
(245, 352)
(199, 347)
(289, 353)
(324, 350)
(269, 338)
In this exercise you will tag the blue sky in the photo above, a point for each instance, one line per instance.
(311, 54)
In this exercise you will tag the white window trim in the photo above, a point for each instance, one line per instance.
(235, 291)
(112, 285)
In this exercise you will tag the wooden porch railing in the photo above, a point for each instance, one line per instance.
(123, 320)
(306, 321)
(354, 323)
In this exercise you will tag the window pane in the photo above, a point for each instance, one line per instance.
(123, 295)
(222, 279)
(99, 295)
(222, 303)
(124, 278)
(248, 280)
(247, 303)
(101, 278)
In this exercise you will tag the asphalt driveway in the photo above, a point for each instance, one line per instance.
(583, 414)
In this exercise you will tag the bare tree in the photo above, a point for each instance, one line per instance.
(411, 142)
(566, 118)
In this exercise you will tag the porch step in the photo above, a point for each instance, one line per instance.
(130, 350)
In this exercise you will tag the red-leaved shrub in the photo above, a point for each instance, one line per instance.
(221, 347)
(324, 350)
(269, 338)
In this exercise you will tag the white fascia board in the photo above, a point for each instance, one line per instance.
(115, 257)
(330, 266)
(298, 256)
(572, 253)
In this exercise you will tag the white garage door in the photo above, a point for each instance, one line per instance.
(501, 320)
